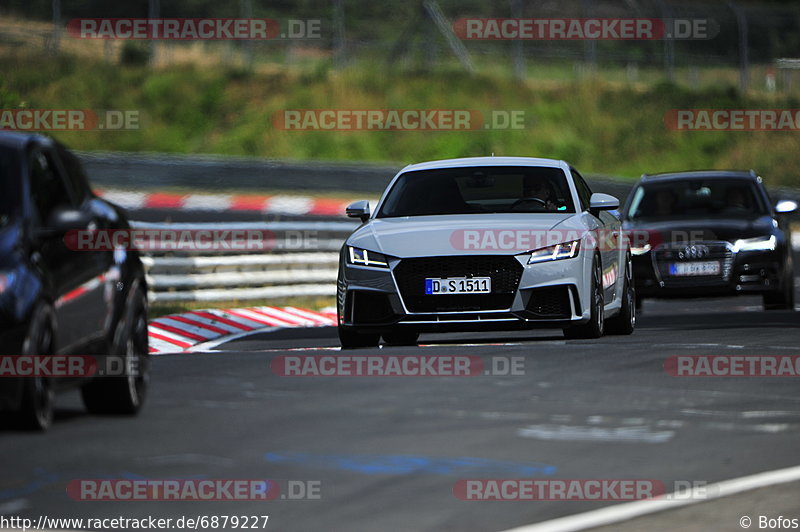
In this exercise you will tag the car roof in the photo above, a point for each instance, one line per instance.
(18, 140)
(700, 174)
(486, 161)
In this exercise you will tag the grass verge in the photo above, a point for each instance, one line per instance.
(602, 127)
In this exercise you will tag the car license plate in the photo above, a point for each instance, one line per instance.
(458, 285)
(695, 268)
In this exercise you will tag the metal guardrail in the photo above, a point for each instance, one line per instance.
(179, 276)
(154, 171)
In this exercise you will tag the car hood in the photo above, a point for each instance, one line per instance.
(426, 236)
(706, 229)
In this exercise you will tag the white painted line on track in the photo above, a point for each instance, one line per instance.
(210, 345)
(14, 506)
(638, 434)
(626, 511)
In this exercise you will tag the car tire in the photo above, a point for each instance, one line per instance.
(401, 338)
(595, 327)
(124, 395)
(38, 392)
(782, 299)
(351, 338)
(625, 321)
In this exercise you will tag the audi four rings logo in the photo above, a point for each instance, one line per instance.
(693, 252)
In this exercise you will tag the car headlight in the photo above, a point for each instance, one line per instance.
(756, 244)
(640, 250)
(363, 257)
(567, 250)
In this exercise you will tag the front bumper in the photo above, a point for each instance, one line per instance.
(523, 296)
(744, 272)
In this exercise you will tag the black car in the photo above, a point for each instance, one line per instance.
(56, 301)
(709, 233)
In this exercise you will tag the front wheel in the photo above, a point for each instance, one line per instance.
(38, 394)
(124, 395)
(625, 321)
(351, 338)
(595, 327)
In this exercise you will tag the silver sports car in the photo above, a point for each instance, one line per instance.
(485, 243)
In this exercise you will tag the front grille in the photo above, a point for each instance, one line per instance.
(702, 252)
(505, 272)
(550, 302)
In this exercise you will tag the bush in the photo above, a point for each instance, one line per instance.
(134, 54)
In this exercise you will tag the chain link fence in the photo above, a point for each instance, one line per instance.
(750, 45)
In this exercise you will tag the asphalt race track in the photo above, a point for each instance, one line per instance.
(387, 452)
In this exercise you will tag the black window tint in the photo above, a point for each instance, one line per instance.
(693, 198)
(479, 189)
(10, 195)
(75, 174)
(584, 192)
(47, 188)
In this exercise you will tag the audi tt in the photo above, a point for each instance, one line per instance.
(486, 243)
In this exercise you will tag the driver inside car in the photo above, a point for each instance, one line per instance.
(540, 188)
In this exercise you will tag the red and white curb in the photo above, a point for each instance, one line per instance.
(301, 205)
(190, 331)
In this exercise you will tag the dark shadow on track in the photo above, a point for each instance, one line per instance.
(720, 320)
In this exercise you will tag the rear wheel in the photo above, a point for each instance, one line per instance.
(38, 393)
(595, 327)
(625, 321)
(351, 338)
(401, 338)
(125, 394)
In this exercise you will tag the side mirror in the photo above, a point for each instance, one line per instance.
(786, 207)
(62, 220)
(358, 209)
(602, 202)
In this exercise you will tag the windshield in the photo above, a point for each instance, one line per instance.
(697, 198)
(9, 186)
(470, 190)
